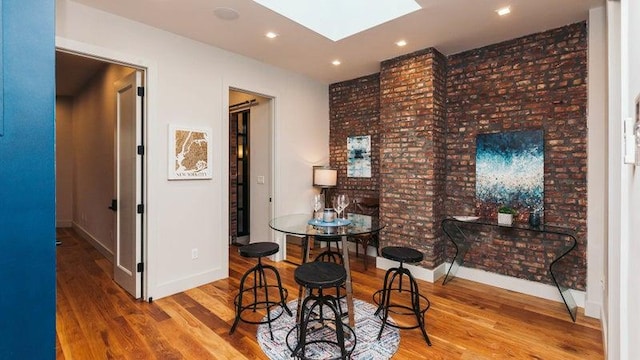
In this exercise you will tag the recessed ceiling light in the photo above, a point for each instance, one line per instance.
(504, 11)
(226, 13)
(336, 62)
(401, 43)
(271, 35)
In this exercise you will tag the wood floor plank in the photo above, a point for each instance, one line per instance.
(96, 319)
(208, 338)
(210, 299)
(90, 331)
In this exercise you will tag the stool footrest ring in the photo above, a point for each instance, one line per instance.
(423, 309)
(260, 305)
(292, 338)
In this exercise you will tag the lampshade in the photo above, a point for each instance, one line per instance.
(324, 176)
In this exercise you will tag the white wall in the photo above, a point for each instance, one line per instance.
(630, 244)
(597, 161)
(188, 84)
(623, 295)
(613, 287)
(64, 162)
(93, 134)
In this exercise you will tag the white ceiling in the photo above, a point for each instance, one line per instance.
(451, 26)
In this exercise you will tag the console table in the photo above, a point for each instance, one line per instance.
(458, 233)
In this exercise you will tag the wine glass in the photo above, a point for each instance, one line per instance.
(334, 202)
(339, 203)
(317, 205)
(343, 200)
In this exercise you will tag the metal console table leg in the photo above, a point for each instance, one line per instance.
(462, 242)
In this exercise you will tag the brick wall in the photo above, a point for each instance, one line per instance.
(412, 164)
(430, 110)
(534, 82)
(355, 110)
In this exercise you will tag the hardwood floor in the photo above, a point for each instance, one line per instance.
(98, 320)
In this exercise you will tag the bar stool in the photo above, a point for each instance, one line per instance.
(333, 256)
(383, 298)
(259, 250)
(318, 276)
(330, 255)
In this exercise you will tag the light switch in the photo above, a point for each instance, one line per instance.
(629, 141)
(260, 179)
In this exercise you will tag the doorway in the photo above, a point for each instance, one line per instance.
(250, 179)
(240, 121)
(98, 103)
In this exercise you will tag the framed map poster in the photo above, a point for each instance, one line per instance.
(189, 153)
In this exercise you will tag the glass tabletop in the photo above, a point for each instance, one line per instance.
(298, 224)
(461, 220)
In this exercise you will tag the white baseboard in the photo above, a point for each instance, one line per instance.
(532, 288)
(593, 309)
(93, 241)
(605, 335)
(179, 285)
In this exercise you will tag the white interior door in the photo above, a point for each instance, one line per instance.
(260, 170)
(128, 245)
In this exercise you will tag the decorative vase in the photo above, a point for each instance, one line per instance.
(505, 219)
(534, 218)
(329, 215)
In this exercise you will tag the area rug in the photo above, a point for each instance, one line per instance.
(368, 347)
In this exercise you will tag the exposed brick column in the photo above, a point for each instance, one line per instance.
(412, 154)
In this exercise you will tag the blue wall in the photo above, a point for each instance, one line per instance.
(27, 181)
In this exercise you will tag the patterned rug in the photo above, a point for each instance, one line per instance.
(367, 327)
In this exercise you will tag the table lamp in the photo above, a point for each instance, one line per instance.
(324, 177)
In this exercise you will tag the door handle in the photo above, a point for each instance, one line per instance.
(114, 205)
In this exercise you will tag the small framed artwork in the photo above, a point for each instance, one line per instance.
(359, 156)
(189, 153)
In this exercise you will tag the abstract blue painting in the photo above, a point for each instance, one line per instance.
(510, 170)
(359, 156)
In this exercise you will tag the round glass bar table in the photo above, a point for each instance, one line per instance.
(303, 225)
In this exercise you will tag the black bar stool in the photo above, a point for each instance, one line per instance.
(330, 255)
(333, 256)
(390, 289)
(258, 250)
(316, 276)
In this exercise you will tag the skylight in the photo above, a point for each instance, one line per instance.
(338, 19)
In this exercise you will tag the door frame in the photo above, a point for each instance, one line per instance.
(255, 89)
(148, 79)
